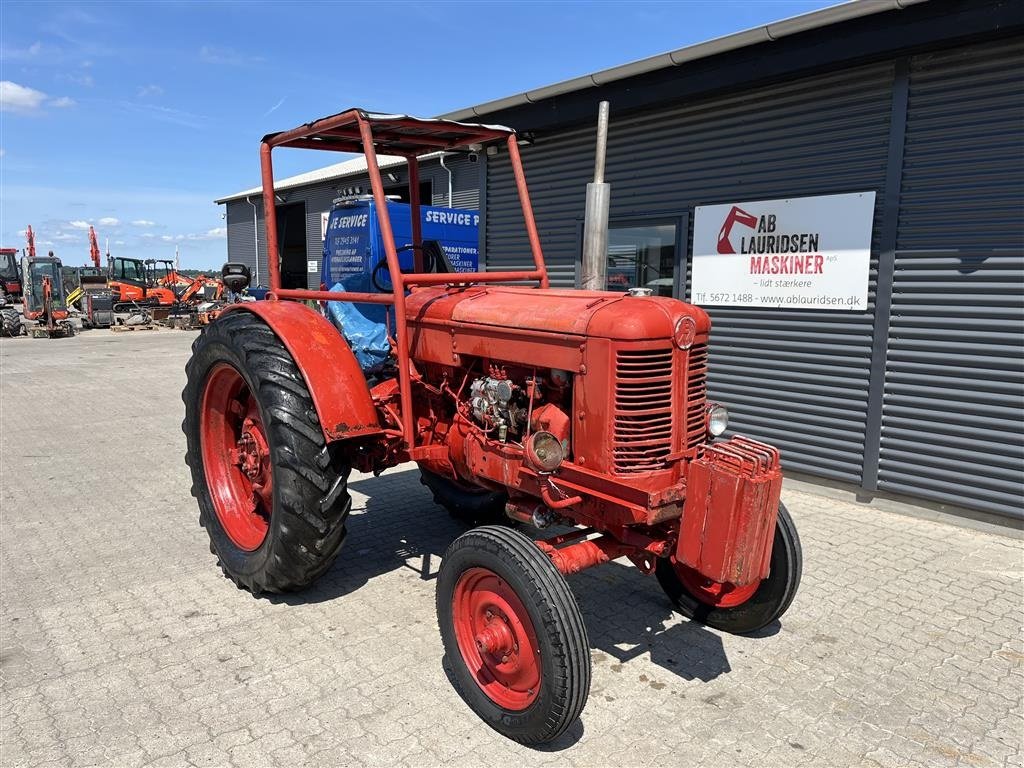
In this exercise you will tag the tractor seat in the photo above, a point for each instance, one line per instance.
(434, 255)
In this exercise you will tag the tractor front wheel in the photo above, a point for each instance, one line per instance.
(272, 496)
(513, 635)
(739, 610)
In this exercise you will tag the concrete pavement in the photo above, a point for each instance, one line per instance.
(122, 644)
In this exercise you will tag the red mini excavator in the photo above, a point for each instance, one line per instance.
(45, 303)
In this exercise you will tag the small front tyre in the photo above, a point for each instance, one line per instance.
(513, 635)
(739, 610)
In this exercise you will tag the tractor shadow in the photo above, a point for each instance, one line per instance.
(628, 617)
(395, 524)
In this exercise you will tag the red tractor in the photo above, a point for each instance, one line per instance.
(520, 403)
(10, 278)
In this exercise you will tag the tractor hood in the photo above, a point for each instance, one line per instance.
(615, 316)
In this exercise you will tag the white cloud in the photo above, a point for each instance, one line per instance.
(63, 101)
(79, 78)
(79, 224)
(12, 53)
(109, 221)
(143, 223)
(149, 90)
(65, 236)
(3, 152)
(19, 98)
(225, 56)
(275, 107)
(165, 114)
(147, 235)
(119, 242)
(211, 234)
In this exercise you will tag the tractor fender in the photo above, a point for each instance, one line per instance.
(334, 378)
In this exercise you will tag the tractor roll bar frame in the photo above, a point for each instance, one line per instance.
(335, 133)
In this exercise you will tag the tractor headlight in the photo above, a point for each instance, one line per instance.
(718, 419)
(544, 451)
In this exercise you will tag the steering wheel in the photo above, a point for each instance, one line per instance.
(382, 265)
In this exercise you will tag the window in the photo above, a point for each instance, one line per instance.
(642, 256)
(129, 269)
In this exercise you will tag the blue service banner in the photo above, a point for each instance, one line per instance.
(458, 231)
(347, 246)
(353, 245)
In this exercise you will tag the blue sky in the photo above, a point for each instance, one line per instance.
(135, 116)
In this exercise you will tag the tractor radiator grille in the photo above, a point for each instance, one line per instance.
(642, 432)
(696, 395)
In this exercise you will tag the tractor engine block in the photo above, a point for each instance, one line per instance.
(498, 404)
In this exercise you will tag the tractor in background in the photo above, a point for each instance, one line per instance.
(10, 276)
(10, 292)
(520, 403)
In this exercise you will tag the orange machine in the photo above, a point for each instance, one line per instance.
(132, 286)
(45, 303)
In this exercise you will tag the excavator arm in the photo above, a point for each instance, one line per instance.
(94, 248)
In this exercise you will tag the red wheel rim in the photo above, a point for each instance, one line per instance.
(236, 458)
(714, 593)
(496, 639)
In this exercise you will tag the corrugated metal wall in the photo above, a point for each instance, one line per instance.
(318, 198)
(241, 245)
(954, 385)
(796, 378)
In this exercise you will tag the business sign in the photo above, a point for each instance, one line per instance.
(324, 218)
(798, 253)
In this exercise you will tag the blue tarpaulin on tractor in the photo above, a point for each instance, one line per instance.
(354, 246)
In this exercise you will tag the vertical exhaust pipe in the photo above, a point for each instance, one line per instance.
(595, 222)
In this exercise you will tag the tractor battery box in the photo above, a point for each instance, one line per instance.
(732, 503)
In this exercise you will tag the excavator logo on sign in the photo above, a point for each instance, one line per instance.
(736, 216)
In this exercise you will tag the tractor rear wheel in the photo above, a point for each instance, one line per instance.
(272, 496)
(10, 322)
(470, 505)
(739, 610)
(513, 635)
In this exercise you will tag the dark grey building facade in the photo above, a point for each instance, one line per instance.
(921, 395)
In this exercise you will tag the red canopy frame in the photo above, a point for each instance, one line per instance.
(359, 131)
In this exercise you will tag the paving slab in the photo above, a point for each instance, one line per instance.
(122, 644)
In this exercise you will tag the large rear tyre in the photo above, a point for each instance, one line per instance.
(10, 322)
(513, 635)
(272, 495)
(469, 505)
(739, 610)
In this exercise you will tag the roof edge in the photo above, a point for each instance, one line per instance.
(846, 11)
(307, 178)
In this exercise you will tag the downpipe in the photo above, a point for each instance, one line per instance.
(255, 237)
(449, 172)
